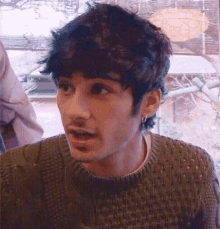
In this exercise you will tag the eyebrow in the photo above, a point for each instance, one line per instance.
(106, 76)
(103, 76)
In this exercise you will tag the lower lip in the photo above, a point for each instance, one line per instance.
(80, 142)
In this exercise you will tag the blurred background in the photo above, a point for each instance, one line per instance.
(190, 111)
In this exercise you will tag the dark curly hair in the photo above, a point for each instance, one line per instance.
(107, 39)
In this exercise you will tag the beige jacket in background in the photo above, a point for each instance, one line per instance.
(15, 107)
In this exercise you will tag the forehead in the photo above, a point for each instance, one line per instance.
(115, 77)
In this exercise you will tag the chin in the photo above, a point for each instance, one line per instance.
(84, 155)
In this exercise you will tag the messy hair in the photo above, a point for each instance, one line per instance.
(108, 38)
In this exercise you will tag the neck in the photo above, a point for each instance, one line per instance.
(121, 163)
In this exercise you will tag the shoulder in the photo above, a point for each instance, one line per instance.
(21, 183)
(28, 155)
(20, 168)
(182, 156)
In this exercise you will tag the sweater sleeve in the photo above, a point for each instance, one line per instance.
(209, 196)
(211, 202)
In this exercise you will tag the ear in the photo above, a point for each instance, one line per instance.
(151, 102)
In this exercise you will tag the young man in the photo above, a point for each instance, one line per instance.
(109, 170)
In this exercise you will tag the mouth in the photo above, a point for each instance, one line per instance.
(82, 135)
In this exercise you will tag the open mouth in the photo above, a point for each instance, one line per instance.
(83, 149)
(82, 135)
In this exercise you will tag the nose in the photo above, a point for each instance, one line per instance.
(77, 107)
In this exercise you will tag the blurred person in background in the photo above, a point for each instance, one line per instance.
(18, 123)
(109, 170)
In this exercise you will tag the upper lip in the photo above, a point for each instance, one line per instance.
(81, 130)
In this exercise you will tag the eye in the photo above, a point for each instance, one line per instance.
(65, 87)
(99, 88)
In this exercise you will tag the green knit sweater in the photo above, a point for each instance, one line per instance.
(43, 187)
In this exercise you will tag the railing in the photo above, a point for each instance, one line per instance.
(25, 43)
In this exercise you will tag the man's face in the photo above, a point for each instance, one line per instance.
(96, 115)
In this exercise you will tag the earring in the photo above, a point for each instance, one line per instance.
(144, 119)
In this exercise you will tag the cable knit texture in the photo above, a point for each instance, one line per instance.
(43, 187)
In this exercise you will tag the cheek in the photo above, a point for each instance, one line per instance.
(114, 118)
(62, 105)
(104, 115)
(59, 101)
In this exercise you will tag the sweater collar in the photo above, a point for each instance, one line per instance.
(75, 167)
